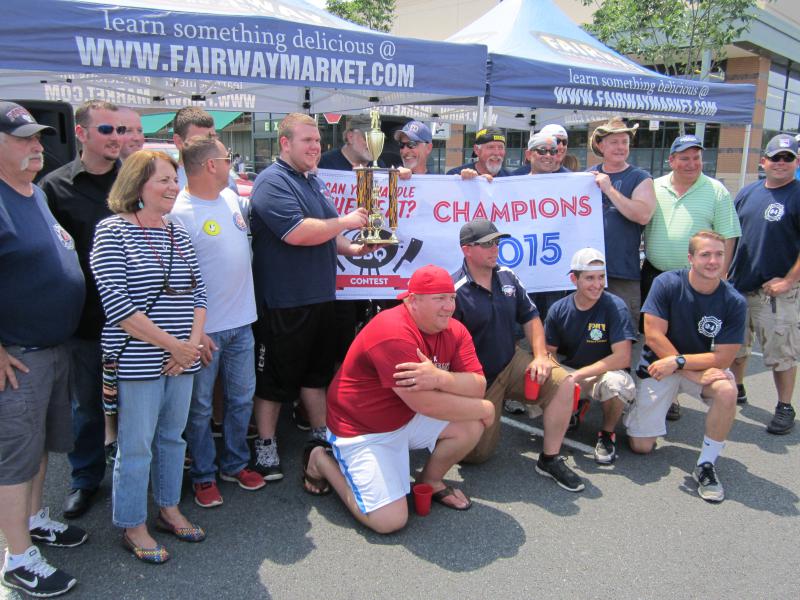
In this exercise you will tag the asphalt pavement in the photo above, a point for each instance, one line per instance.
(639, 530)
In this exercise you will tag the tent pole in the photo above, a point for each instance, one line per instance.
(480, 113)
(745, 153)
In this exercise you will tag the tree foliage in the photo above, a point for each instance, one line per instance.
(672, 35)
(375, 14)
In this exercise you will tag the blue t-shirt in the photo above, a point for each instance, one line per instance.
(525, 169)
(491, 317)
(43, 288)
(284, 275)
(622, 254)
(582, 337)
(471, 165)
(697, 322)
(770, 242)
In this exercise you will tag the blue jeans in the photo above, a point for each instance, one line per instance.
(236, 360)
(152, 416)
(87, 458)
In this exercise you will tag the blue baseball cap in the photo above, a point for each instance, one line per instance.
(416, 131)
(781, 143)
(684, 142)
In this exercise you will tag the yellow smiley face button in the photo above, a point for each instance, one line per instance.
(211, 227)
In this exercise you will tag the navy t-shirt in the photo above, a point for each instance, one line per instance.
(525, 169)
(623, 237)
(770, 241)
(284, 275)
(42, 294)
(471, 165)
(582, 337)
(697, 322)
(491, 317)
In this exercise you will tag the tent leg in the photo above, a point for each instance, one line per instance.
(745, 155)
(480, 113)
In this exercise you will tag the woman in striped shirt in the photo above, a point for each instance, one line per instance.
(155, 305)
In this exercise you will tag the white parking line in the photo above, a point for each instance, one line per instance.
(536, 431)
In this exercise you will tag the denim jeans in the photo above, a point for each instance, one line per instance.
(88, 457)
(152, 416)
(235, 359)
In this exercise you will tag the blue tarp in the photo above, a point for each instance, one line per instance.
(540, 59)
(260, 56)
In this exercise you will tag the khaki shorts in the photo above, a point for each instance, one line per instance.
(777, 332)
(510, 383)
(611, 384)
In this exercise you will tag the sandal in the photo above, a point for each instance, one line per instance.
(321, 485)
(439, 497)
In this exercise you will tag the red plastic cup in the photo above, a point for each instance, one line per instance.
(531, 386)
(576, 397)
(422, 498)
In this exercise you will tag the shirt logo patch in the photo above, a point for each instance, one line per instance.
(510, 291)
(64, 237)
(211, 227)
(238, 220)
(596, 331)
(709, 326)
(774, 212)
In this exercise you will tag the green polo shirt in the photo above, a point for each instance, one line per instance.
(705, 205)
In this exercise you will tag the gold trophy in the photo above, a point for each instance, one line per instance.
(367, 192)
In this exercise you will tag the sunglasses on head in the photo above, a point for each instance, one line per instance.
(227, 159)
(109, 129)
(489, 244)
(410, 144)
(543, 151)
(782, 157)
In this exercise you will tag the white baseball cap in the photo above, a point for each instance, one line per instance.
(554, 130)
(582, 260)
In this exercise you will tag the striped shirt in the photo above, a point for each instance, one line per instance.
(125, 262)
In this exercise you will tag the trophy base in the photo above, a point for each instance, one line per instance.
(377, 241)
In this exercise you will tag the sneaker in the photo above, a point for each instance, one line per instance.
(708, 486)
(514, 407)
(605, 451)
(38, 577)
(54, 533)
(206, 494)
(187, 461)
(578, 415)
(674, 412)
(558, 470)
(268, 463)
(111, 453)
(246, 478)
(783, 421)
(741, 394)
(216, 429)
(299, 417)
(319, 433)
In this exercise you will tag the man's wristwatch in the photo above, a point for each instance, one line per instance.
(681, 361)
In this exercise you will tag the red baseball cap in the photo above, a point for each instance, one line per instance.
(429, 279)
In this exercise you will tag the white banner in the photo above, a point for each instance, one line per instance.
(549, 218)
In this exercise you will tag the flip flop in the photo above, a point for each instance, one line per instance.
(439, 497)
(322, 485)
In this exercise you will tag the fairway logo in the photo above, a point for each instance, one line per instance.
(774, 212)
(709, 326)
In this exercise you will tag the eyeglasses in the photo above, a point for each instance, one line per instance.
(109, 129)
(489, 244)
(782, 157)
(561, 141)
(410, 145)
(227, 159)
(543, 151)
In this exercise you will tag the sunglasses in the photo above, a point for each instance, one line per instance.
(489, 244)
(227, 159)
(170, 291)
(543, 151)
(782, 157)
(561, 141)
(410, 145)
(109, 129)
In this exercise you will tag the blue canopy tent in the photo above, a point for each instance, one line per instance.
(277, 56)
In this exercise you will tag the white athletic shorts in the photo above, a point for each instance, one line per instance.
(377, 466)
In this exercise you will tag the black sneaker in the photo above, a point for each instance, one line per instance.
(558, 470)
(783, 421)
(268, 463)
(741, 394)
(111, 453)
(674, 412)
(605, 451)
(37, 577)
(57, 534)
(299, 417)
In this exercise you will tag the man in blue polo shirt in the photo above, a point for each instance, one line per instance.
(489, 152)
(766, 270)
(693, 328)
(592, 330)
(296, 237)
(491, 301)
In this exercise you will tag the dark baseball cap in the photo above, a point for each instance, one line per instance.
(17, 121)
(781, 143)
(416, 131)
(490, 134)
(684, 142)
(478, 231)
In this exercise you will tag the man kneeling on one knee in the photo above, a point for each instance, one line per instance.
(693, 327)
(410, 380)
(592, 333)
